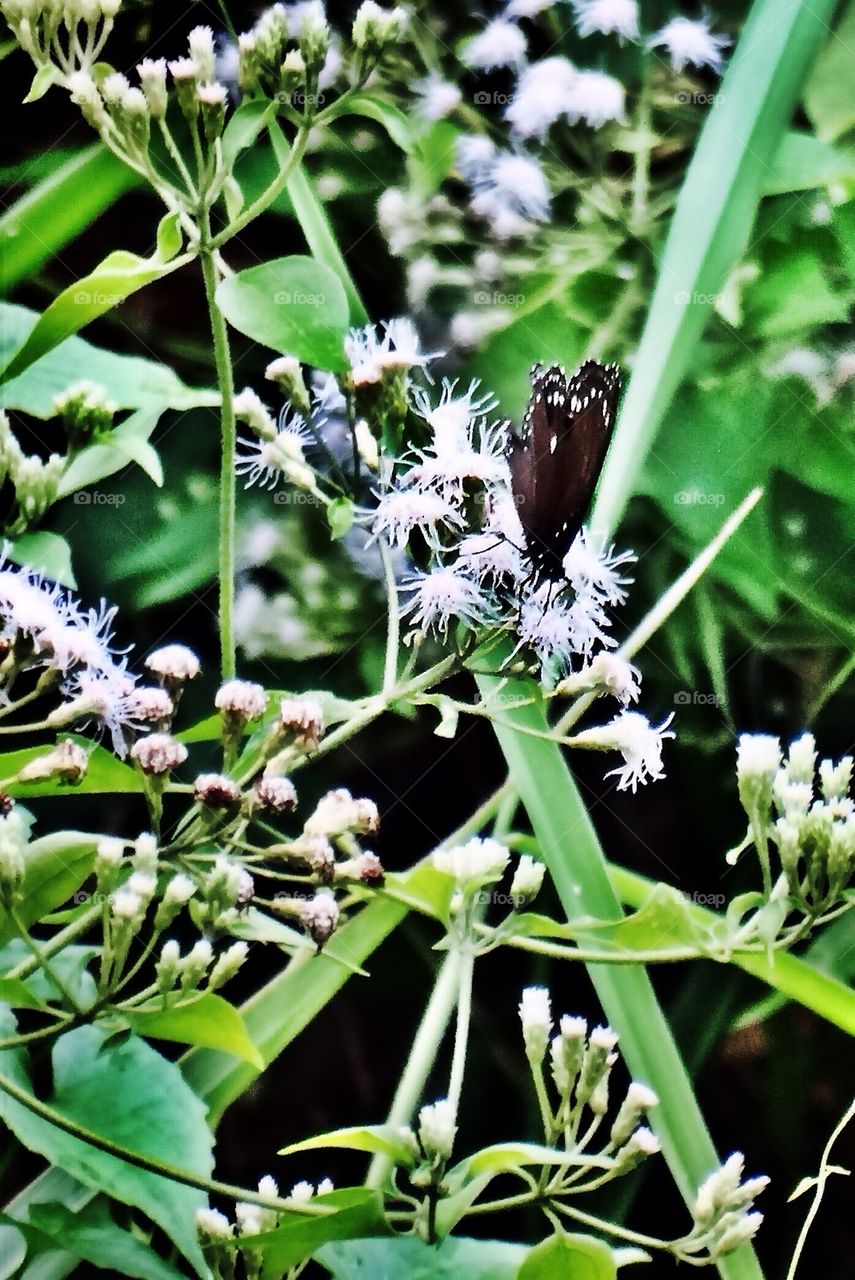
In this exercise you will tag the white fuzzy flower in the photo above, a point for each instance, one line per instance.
(547, 626)
(399, 512)
(449, 420)
(536, 1018)
(370, 355)
(241, 698)
(639, 742)
(212, 1223)
(158, 753)
(543, 94)
(526, 8)
(173, 662)
(690, 40)
(102, 695)
(473, 155)
(475, 863)
(597, 571)
(437, 97)
(437, 1129)
(443, 594)
(490, 558)
(609, 17)
(266, 462)
(607, 673)
(500, 44)
(511, 184)
(595, 98)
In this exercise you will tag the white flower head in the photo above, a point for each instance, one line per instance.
(543, 95)
(536, 1018)
(592, 569)
(513, 185)
(500, 44)
(370, 355)
(401, 511)
(437, 97)
(265, 462)
(608, 17)
(438, 1129)
(442, 594)
(690, 40)
(475, 863)
(595, 99)
(639, 742)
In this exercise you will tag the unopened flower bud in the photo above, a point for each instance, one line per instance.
(527, 880)
(302, 720)
(158, 753)
(437, 1129)
(566, 1052)
(213, 1225)
(596, 1062)
(250, 409)
(801, 759)
(640, 1145)
(145, 852)
(176, 895)
(638, 1101)
(166, 969)
(67, 762)
(836, 778)
(536, 1017)
(287, 373)
(216, 791)
(152, 74)
(151, 705)
(365, 867)
(195, 964)
(241, 701)
(757, 761)
(320, 916)
(201, 42)
(314, 36)
(227, 965)
(175, 664)
(212, 98)
(279, 795)
(375, 28)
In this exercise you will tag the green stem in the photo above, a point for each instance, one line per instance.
(421, 1058)
(41, 961)
(393, 620)
(466, 975)
(277, 186)
(149, 1163)
(56, 943)
(228, 485)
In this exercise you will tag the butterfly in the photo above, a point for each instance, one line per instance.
(556, 462)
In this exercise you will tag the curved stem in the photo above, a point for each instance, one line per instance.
(461, 1031)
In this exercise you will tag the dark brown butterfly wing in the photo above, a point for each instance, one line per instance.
(556, 462)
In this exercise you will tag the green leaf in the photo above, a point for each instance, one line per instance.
(373, 107)
(355, 1213)
(569, 1257)
(244, 126)
(339, 516)
(127, 443)
(208, 1020)
(804, 162)
(712, 222)
(449, 1260)
(315, 226)
(15, 993)
(294, 305)
(48, 553)
(104, 772)
(92, 1236)
(829, 96)
(55, 866)
(120, 274)
(130, 1095)
(512, 1155)
(383, 1138)
(129, 381)
(48, 216)
(45, 76)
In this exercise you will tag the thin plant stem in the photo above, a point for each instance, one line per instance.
(825, 1169)
(228, 485)
(466, 975)
(421, 1058)
(393, 621)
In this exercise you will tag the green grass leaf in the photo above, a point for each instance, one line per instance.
(564, 1255)
(56, 209)
(712, 221)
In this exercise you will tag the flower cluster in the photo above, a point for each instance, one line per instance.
(812, 827)
(559, 119)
